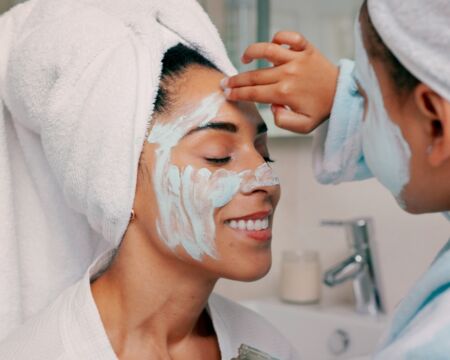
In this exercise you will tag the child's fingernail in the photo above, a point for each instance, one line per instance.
(227, 92)
(224, 83)
(244, 60)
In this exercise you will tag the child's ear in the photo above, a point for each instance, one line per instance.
(436, 112)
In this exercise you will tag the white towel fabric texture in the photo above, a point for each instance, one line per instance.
(421, 325)
(338, 154)
(78, 79)
(418, 34)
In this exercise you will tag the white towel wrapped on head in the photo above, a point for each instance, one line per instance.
(77, 83)
(418, 34)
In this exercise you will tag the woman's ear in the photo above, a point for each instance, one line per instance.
(435, 110)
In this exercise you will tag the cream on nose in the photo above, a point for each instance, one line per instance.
(262, 176)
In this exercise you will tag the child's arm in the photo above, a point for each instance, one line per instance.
(300, 86)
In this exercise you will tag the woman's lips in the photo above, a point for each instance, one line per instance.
(256, 225)
(253, 216)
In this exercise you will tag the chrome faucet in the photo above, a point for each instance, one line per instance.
(358, 267)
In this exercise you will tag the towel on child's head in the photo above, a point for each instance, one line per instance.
(78, 79)
(418, 34)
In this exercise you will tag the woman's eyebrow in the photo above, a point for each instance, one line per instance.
(226, 126)
(221, 126)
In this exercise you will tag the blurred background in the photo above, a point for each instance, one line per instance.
(403, 245)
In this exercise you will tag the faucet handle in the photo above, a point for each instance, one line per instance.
(357, 230)
(333, 223)
(361, 222)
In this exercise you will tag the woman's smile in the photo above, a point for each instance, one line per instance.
(257, 226)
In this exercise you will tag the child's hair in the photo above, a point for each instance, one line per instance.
(175, 62)
(401, 77)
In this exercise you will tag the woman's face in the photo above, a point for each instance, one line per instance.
(206, 195)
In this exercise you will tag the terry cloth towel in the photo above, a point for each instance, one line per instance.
(421, 326)
(78, 79)
(418, 34)
(338, 154)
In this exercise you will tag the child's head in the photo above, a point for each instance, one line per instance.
(421, 113)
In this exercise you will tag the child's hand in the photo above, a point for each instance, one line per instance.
(300, 86)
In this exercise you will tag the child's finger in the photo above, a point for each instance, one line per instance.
(292, 121)
(266, 94)
(295, 41)
(251, 78)
(273, 53)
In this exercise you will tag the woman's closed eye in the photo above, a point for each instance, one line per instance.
(218, 160)
(227, 159)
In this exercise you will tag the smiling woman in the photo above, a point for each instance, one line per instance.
(203, 210)
(207, 161)
(199, 165)
(203, 169)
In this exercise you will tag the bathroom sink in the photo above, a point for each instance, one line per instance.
(322, 332)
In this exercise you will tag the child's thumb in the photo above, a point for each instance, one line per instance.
(292, 121)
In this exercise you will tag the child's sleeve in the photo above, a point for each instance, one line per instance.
(337, 154)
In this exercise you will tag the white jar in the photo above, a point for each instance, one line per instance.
(301, 277)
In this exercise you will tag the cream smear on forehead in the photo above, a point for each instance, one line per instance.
(188, 197)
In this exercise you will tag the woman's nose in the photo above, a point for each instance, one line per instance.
(261, 178)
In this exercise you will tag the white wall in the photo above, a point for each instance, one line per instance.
(327, 24)
(405, 244)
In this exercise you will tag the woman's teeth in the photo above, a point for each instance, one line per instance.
(249, 225)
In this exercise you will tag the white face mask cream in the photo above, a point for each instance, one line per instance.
(386, 152)
(187, 198)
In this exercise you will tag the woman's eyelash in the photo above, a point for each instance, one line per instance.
(219, 160)
(228, 158)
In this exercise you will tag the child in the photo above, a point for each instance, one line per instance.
(389, 117)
